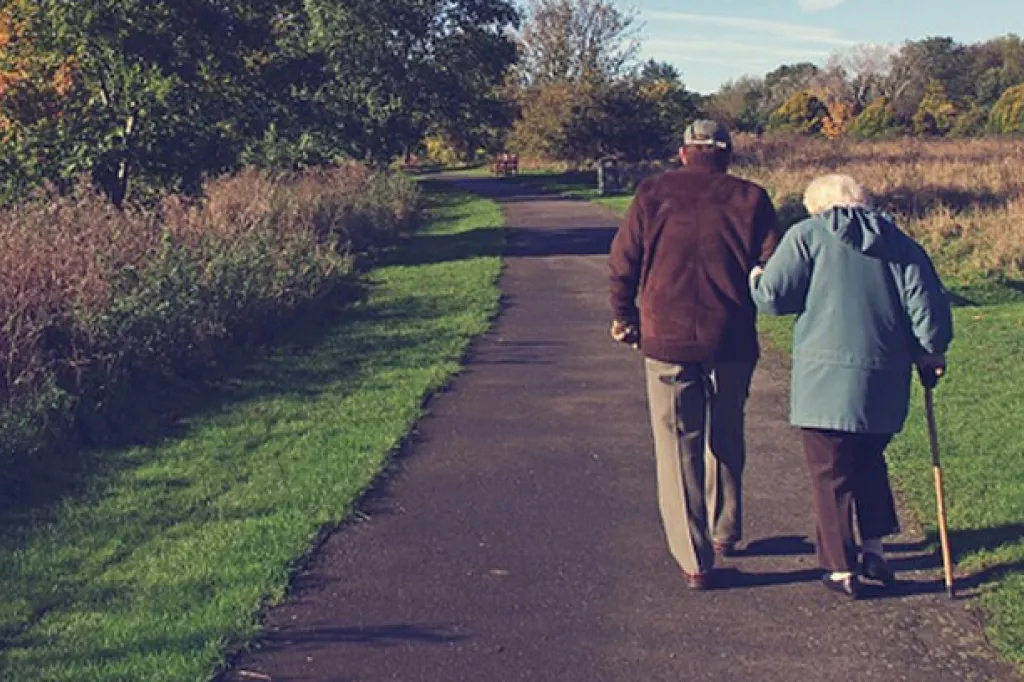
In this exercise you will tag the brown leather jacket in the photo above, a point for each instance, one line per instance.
(687, 245)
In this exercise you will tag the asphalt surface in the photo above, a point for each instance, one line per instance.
(519, 537)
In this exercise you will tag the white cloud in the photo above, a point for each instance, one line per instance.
(686, 46)
(758, 63)
(747, 56)
(762, 27)
(818, 5)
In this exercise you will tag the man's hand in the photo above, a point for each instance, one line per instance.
(930, 368)
(625, 332)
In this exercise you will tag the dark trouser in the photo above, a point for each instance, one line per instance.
(848, 470)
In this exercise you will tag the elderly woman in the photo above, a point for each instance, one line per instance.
(869, 305)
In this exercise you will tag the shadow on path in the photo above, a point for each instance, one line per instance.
(372, 636)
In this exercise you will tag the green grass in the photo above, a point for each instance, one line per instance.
(162, 564)
(978, 409)
(573, 184)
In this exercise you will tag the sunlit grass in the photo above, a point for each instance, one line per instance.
(161, 567)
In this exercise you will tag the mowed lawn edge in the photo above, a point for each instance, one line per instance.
(162, 568)
(978, 408)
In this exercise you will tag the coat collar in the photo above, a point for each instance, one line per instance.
(701, 166)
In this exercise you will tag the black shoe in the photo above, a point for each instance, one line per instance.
(876, 568)
(848, 586)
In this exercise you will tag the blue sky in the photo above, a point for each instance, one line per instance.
(711, 42)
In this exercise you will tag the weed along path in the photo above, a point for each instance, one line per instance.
(518, 537)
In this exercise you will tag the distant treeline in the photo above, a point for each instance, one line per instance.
(580, 92)
(930, 87)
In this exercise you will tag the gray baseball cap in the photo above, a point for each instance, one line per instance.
(706, 133)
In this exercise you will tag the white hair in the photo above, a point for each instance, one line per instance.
(828, 191)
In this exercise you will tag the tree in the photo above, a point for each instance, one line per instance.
(1007, 115)
(156, 92)
(396, 69)
(151, 95)
(936, 113)
(995, 65)
(571, 41)
(786, 81)
(859, 73)
(803, 113)
(654, 71)
(840, 114)
(970, 121)
(917, 64)
(547, 112)
(738, 104)
(878, 120)
(661, 87)
(619, 121)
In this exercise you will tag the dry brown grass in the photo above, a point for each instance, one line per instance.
(87, 291)
(963, 200)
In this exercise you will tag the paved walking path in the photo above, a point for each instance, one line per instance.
(519, 538)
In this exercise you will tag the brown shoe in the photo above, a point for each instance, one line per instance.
(724, 548)
(697, 581)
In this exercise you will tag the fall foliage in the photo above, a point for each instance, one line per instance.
(839, 115)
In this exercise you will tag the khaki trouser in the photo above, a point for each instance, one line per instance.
(697, 420)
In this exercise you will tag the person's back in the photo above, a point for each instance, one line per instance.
(869, 305)
(700, 232)
(686, 245)
(866, 299)
(858, 285)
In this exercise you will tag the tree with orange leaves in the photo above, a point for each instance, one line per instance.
(840, 113)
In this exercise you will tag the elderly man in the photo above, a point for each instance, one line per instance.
(686, 245)
(869, 305)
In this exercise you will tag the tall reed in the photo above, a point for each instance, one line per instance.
(963, 199)
(90, 295)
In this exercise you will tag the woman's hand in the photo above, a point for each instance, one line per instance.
(930, 368)
(755, 273)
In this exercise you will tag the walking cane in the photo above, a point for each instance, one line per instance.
(930, 377)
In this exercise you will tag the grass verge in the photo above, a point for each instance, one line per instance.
(978, 410)
(574, 184)
(162, 564)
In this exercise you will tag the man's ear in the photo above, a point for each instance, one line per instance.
(682, 155)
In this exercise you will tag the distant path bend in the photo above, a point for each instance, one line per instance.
(520, 538)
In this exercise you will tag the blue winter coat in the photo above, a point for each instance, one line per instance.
(868, 301)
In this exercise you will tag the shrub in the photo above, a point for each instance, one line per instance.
(937, 113)
(970, 122)
(840, 114)
(878, 120)
(440, 149)
(1007, 115)
(802, 113)
(90, 294)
